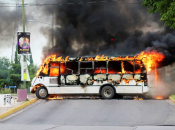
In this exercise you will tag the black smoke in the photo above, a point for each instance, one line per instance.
(7, 26)
(87, 29)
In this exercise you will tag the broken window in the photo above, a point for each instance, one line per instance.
(71, 67)
(138, 65)
(100, 67)
(62, 71)
(114, 67)
(86, 68)
(54, 69)
(127, 67)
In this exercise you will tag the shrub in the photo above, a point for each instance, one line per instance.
(21, 86)
(5, 91)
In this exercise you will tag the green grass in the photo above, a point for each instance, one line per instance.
(26, 100)
(5, 91)
(13, 94)
(173, 96)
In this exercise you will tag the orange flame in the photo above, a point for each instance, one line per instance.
(159, 97)
(149, 59)
(44, 67)
(35, 88)
(102, 71)
(54, 96)
(98, 58)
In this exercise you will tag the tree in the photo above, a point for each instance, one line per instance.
(15, 75)
(166, 7)
(32, 70)
(17, 58)
(10, 74)
(4, 71)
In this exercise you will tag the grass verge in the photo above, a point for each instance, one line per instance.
(173, 96)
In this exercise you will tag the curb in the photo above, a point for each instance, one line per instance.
(15, 109)
(172, 99)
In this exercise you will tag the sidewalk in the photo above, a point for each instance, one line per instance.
(14, 103)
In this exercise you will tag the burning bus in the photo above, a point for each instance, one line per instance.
(101, 75)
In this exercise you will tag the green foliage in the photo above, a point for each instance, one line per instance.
(17, 58)
(16, 69)
(32, 70)
(173, 96)
(22, 86)
(15, 75)
(10, 74)
(4, 71)
(15, 79)
(4, 63)
(166, 7)
(26, 100)
(5, 91)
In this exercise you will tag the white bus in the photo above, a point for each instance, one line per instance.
(105, 77)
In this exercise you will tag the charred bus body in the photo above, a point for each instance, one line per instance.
(89, 76)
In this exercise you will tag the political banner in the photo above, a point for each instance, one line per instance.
(23, 41)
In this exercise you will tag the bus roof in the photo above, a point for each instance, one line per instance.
(96, 58)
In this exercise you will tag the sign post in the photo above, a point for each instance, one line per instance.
(23, 18)
(24, 49)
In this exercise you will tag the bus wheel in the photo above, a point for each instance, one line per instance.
(42, 93)
(107, 92)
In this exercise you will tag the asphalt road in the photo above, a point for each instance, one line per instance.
(129, 113)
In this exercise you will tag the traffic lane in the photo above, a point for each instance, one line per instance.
(97, 113)
(56, 127)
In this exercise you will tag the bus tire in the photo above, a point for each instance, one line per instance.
(107, 92)
(42, 93)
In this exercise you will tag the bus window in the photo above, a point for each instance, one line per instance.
(127, 67)
(54, 64)
(86, 68)
(71, 67)
(54, 69)
(114, 67)
(100, 67)
(137, 67)
(62, 71)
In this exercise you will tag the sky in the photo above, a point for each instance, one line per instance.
(84, 29)
(8, 32)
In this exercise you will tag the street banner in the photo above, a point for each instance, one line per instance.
(23, 41)
(24, 70)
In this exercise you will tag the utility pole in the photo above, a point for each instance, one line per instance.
(18, 27)
(52, 27)
(23, 19)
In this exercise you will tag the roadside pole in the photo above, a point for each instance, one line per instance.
(52, 27)
(23, 17)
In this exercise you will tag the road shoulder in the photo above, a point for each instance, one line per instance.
(16, 106)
